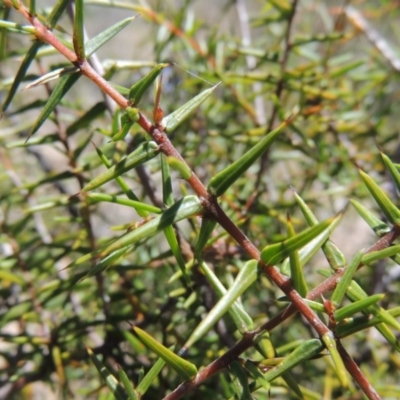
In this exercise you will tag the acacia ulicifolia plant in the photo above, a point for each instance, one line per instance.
(282, 262)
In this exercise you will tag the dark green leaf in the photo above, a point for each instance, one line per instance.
(378, 226)
(29, 57)
(123, 185)
(56, 13)
(246, 277)
(146, 151)
(99, 40)
(116, 388)
(340, 369)
(385, 204)
(79, 30)
(87, 118)
(360, 305)
(173, 120)
(148, 379)
(182, 209)
(168, 197)
(392, 169)
(62, 87)
(139, 88)
(221, 182)
(240, 381)
(206, 230)
(52, 75)
(300, 354)
(130, 391)
(334, 256)
(343, 285)
(275, 253)
(296, 270)
(184, 368)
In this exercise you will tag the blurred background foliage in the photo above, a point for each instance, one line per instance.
(318, 60)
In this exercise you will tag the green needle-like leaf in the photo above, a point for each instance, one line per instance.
(385, 204)
(173, 120)
(241, 318)
(86, 119)
(146, 151)
(206, 230)
(313, 305)
(302, 353)
(142, 211)
(92, 45)
(240, 381)
(29, 57)
(311, 248)
(106, 262)
(17, 28)
(139, 88)
(127, 120)
(340, 369)
(379, 255)
(334, 256)
(221, 182)
(308, 214)
(356, 293)
(138, 347)
(184, 208)
(353, 308)
(32, 7)
(130, 391)
(246, 277)
(79, 30)
(378, 226)
(168, 196)
(296, 270)
(137, 205)
(52, 75)
(176, 251)
(184, 368)
(56, 13)
(180, 166)
(392, 169)
(62, 87)
(292, 383)
(343, 285)
(148, 379)
(353, 325)
(116, 388)
(275, 253)
(257, 375)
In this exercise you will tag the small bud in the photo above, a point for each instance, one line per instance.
(158, 115)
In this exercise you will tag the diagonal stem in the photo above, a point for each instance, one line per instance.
(210, 205)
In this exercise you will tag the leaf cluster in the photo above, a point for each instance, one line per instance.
(207, 237)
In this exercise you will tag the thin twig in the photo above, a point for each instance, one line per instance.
(356, 373)
(279, 88)
(373, 36)
(251, 60)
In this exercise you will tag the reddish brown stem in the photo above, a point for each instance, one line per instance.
(232, 354)
(356, 373)
(210, 205)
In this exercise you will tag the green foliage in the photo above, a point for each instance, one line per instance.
(170, 212)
